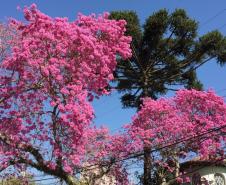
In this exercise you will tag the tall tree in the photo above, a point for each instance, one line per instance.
(166, 52)
(47, 81)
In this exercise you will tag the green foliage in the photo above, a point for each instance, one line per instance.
(166, 53)
(133, 25)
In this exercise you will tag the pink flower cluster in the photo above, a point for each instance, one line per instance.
(46, 84)
(191, 121)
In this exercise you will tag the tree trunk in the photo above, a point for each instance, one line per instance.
(147, 165)
(177, 164)
(147, 151)
(177, 170)
(70, 180)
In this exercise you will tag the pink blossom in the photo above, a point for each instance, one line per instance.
(54, 70)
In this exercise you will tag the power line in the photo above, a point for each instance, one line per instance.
(157, 148)
(138, 154)
(213, 17)
(184, 174)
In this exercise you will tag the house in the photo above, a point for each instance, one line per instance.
(205, 172)
(104, 180)
(97, 176)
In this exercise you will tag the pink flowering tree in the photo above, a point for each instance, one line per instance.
(47, 82)
(190, 122)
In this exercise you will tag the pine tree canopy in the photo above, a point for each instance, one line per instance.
(167, 51)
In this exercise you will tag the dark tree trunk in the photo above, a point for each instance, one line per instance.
(147, 151)
(147, 165)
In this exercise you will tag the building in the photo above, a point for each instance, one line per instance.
(97, 176)
(205, 172)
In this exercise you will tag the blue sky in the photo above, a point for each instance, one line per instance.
(108, 109)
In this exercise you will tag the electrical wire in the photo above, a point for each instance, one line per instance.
(157, 148)
(213, 17)
(135, 155)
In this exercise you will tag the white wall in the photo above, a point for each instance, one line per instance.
(208, 172)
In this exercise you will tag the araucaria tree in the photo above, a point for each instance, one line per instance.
(166, 52)
(47, 82)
